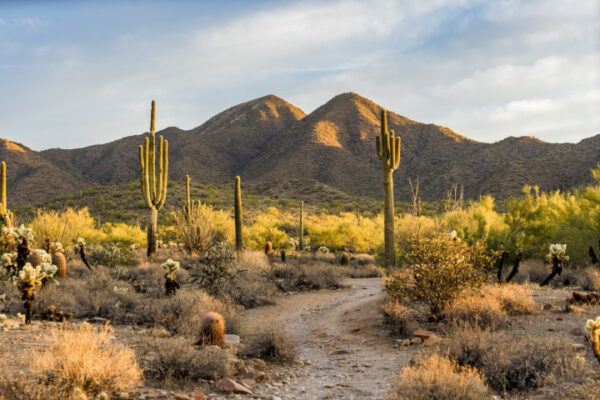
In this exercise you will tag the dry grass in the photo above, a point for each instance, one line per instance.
(438, 378)
(303, 275)
(514, 299)
(517, 364)
(590, 279)
(400, 319)
(87, 358)
(270, 341)
(172, 360)
(477, 310)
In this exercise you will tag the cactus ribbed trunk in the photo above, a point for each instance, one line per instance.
(152, 230)
(388, 151)
(301, 228)
(238, 214)
(388, 210)
(153, 182)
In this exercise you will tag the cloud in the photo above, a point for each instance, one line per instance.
(485, 69)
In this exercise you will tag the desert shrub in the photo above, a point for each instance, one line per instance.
(111, 256)
(175, 359)
(250, 288)
(364, 271)
(514, 299)
(215, 269)
(15, 386)
(516, 364)
(182, 314)
(438, 378)
(590, 279)
(269, 341)
(87, 358)
(196, 230)
(439, 268)
(123, 234)
(400, 319)
(298, 275)
(64, 226)
(477, 310)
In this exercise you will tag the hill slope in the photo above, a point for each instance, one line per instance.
(269, 139)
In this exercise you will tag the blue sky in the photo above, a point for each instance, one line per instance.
(76, 73)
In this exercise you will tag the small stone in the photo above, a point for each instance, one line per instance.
(257, 364)
(578, 347)
(432, 341)
(576, 332)
(548, 307)
(233, 340)
(230, 386)
(416, 340)
(423, 334)
(198, 396)
(181, 396)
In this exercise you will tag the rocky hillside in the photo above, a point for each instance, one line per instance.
(269, 139)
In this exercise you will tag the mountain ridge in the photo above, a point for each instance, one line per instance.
(270, 139)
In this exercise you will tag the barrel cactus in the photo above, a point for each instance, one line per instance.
(593, 328)
(59, 259)
(213, 330)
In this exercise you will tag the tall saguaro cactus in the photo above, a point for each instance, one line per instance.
(154, 188)
(189, 203)
(388, 151)
(5, 214)
(238, 213)
(301, 228)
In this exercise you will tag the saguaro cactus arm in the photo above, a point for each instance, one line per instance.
(388, 145)
(154, 188)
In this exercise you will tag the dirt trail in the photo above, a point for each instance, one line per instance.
(346, 352)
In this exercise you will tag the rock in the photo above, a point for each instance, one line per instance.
(181, 396)
(406, 342)
(548, 307)
(416, 340)
(256, 376)
(423, 334)
(578, 347)
(432, 341)
(339, 352)
(576, 332)
(230, 386)
(233, 340)
(198, 396)
(258, 364)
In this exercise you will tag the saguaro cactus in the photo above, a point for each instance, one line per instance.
(154, 188)
(301, 228)
(189, 203)
(6, 216)
(388, 151)
(238, 213)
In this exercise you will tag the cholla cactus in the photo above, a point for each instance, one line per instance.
(80, 248)
(134, 247)
(21, 234)
(593, 328)
(3, 319)
(290, 244)
(452, 235)
(57, 247)
(79, 243)
(50, 270)
(323, 250)
(171, 284)
(558, 251)
(557, 254)
(28, 280)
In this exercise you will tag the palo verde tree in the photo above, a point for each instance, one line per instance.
(154, 186)
(388, 151)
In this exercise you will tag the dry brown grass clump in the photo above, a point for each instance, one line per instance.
(477, 310)
(514, 299)
(303, 275)
(172, 360)
(269, 341)
(89, 359)
(438, 378)
(400, 319)
(590, 279)
(212, 330)
(517, 364)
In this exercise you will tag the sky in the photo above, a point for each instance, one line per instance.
(77, 73)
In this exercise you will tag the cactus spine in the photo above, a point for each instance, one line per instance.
(301, 228)
(5, 214)
(238, 213)
(154, 188)
(388, 151)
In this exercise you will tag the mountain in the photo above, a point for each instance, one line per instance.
(270, 140)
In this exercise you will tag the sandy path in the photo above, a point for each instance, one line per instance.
(346, 352)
